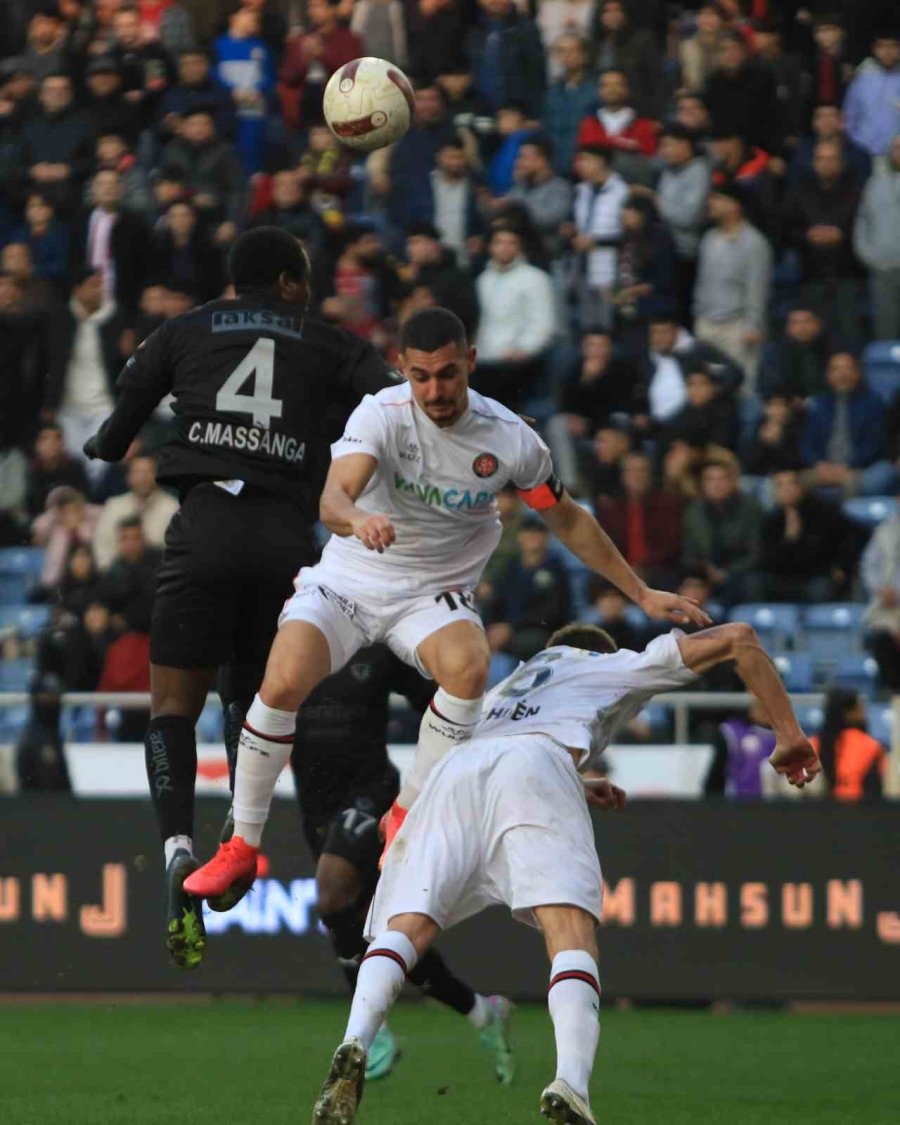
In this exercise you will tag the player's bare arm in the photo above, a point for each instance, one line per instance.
(586, 539)
(347, 478)
(600, 792)
(793, 755)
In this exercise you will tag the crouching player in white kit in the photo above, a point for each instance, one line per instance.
(504, 819)
(411, 499)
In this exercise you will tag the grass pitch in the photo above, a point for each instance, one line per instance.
(230, 1061)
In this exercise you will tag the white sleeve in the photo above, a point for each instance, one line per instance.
(365, 432)
(534, 465)
(659, 667)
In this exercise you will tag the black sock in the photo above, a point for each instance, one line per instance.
(237, 684)
(345, 927)
(432, 976)
(170, 752)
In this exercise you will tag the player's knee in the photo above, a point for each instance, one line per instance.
(465, 674)
(280, 691)
(742, 634)
(334, 897)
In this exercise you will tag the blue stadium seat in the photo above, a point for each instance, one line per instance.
(80, 724)
(26, 561)
(882, 366)
(870, 510)
(15, 675)
(796, 670)
(880, 721)
(502, 665)
(857, 672)
(13, 721)
(210, 725)
(775, 622)
(13, 589)
(29, 621)
(833, 630)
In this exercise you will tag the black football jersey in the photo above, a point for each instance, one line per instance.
(260, 390)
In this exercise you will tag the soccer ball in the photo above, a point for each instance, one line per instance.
(368, 104)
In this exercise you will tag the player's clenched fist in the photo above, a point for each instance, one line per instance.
(376, 532)
(797, 761)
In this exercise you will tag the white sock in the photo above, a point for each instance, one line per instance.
(574, 1003)
(263, 751)
(481, 1013)
(447, 721)
(177, 843)
(381, 976)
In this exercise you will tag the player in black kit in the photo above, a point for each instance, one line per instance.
(259, 392)
(345, 783)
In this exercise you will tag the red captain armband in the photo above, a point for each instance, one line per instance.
(543, 496)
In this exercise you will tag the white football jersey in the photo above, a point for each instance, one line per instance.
(580, 698)
(438, 487)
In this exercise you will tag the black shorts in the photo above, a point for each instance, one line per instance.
(352, 834)
(228, 567)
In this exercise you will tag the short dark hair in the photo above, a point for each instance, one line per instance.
(680, 133)
(261, 255)
(542, 143)
(591, 638)
(129, 523)
(596, 150)
(83, 274)
(430, 329)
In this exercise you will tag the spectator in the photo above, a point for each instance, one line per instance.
(46, 50)
(273, 27)
(853, 763)
(366, 284)
(67, 522)
(183, 256)
(106, 107)
(510, 512)
(246, 66)
(311, 59)
(167, 21)
(47, 238)
(434, 266)
(809, 550)
(843, 437)
(871, 105)
(596, 233)
(570, 98)
(721, 534)
(673, 354)
(22, 363)
(619, 45)
(563, 19)
(83, 359)
(698, 55)
(436, 34)
(129, 581)
(517, 321)
(734, 272)
(462, 102)
(512, 130)
(381, 26)
(147, 70)
(795, 363)
(604, 475)
(144, 501)
(56, 143)
(777, 439)
(741, 749)
(40, 756)
(827, 125)
(692, 113)
(601, 386)
(708, 417)
(196, 87)
(507, 58)
(324, 171)
(608, 611)
(454, 207)
(53, 467)
(112, 242)
(135, 193)
(787, 75)
(210, 170)
(876, 240)
(547, 196)
(682, 194)
(880, 572)
(819, 222)
(80, 585)
(291, 209)
(830, 69)
(741, 96)
(644, 522)
(645, 273)
(617, 126)
(535, 595)
(745, 168)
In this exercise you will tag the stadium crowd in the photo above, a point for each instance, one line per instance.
(673, 232)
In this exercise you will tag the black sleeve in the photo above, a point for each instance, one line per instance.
(363, 372)
(143, 382)
(412, 684)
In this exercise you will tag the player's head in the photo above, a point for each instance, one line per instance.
(437, 360)
(270, 258)
(589, 637)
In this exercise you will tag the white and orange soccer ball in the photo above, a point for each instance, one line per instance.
(368, 103)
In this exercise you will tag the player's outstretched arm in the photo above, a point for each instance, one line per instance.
(793, 755)
(346, 479)
(586, 539)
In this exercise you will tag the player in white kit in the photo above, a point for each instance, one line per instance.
(410, 498)
(504, 819)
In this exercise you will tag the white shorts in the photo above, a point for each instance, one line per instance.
(352, 616)
(500, 821)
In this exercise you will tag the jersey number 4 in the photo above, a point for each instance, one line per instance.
(259, 365)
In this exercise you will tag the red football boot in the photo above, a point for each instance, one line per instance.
(389, 825)
(232, 867)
